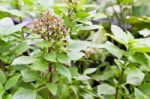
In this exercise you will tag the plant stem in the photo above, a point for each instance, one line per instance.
(119, 82)
(41, 88)
(50, 67)
(120, 78)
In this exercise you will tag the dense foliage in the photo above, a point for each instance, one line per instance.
(74, 49)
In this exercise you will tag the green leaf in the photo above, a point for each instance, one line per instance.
(119, 33)
(126, 1)
(105, 75)
(92, 27)
(139, 95)
(25, 94)
(142, 10)
(22, 60)
(73, 71)
(83, 77)
(51, 56)
(113, 49)
(43, 44)
(134, 76)
(28, 2)
(52, 88)
(63, 58)
(46, 3)
(88, 96)
(29, 75)
(75, 55)
(139, 23)
(142, 49)
(90, 70)
(64, 71)
(82, 1)
(39, 97)
(21, 48)
(140, 58)
(11, 29)
(64, 92)
(105, 89)
(77, 45)
(142, 45)
(116, 39)
(81, 14)
(11, 82)
(1, 87)
(1, 94)
(8, 96)
(12, 11)
(40, 64)
(75, 91)
(145, 88)
(6, 22)
(2, 77)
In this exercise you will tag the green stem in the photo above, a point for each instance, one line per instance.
(118, 85)
(119, 80)
(41, 88)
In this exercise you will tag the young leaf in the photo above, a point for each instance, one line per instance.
(119, 33)
(115, 38)
(113, 49)
(52, 88)
(11, 82)
(25, 94)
